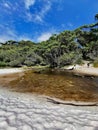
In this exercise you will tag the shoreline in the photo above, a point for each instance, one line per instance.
(77, 70)
(4, 71)
(91, 71)
(18, 72)
(45, 99)
(82, 70)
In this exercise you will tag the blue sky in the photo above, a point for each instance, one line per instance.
(37, 20)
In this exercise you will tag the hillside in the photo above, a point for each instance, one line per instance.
(66, 48)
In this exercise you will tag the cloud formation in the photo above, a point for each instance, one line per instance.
(34, 11)
(8, 34)
(7, 5)
(35, 19)
(44, 36)
(44, 11)
(38, 15)
(29, 3)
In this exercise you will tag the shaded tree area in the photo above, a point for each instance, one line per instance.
(68, 47)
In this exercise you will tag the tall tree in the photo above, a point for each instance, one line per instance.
(96, 17)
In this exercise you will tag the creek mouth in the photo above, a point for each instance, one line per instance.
(61, 85)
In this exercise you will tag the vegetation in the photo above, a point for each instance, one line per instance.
(68, 47)
(96, 63)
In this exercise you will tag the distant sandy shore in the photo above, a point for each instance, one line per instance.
(87, 71)
(4, 71)
(83, 70)
(78, 70)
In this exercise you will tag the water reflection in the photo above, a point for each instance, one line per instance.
(57, 84)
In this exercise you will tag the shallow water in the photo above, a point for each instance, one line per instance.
(60, 85)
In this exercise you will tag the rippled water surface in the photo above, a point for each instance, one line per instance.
(55, 84)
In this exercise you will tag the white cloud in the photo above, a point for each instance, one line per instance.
(7, 5)
(43, 12)
(25, 38)
(8, 35)
(44, 37)
(22, 9)
(29, 3)
(3, 38)
(70, 24)
(38, 16)
(12, 36)
(29, 16)
(39, 12)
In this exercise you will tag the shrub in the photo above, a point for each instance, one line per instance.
(29, 63)
(3, 64)
(15, 63)
(95, 64)
(70, 58)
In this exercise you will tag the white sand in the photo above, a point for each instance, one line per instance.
(83, 70)
(24, 112)
(87, 70)
(10, 70)
(29, 112)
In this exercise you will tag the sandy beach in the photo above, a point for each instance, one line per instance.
(6, 71)
(83, 70)
(20, 111)
(86, 70)
(91, 71)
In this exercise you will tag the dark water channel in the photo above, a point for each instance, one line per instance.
(61, 85)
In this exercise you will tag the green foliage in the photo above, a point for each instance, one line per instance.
(95, 64)
(29, 63)
(15, 63)
(68, 47)
(3, 64)
(66, 59)
(96, 17)
(71, 58)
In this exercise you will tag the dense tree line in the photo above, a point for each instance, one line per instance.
(68, 47)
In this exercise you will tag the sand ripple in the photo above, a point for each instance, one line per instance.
(23, 112)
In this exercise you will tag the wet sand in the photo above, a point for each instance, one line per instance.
(64, 87)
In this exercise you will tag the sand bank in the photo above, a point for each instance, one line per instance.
(10, 70)
(91, 71)
(79, 70)
(83, 70)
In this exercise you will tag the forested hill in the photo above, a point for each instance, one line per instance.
(68, 47)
